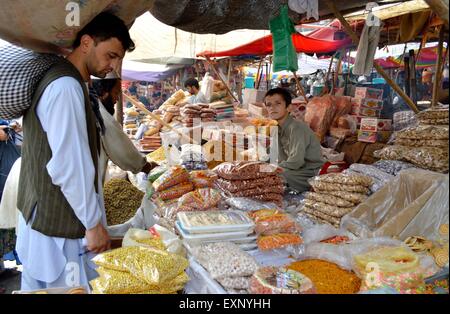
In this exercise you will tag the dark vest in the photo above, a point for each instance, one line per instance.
(54, 216)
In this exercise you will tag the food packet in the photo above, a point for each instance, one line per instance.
(155, 267)
(274, 280)
(200, 199)
(268, 222)
(176, 191)
(117, 282)
(276, 241)
(203, 178)
(175, 175)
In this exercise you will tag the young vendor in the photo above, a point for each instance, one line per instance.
(299, 150)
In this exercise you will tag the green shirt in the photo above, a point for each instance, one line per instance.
(299, 153)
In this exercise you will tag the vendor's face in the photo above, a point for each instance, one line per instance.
(276, 106)
(102, 57)
(192, 90)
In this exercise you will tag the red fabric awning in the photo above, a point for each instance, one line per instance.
(263, 46)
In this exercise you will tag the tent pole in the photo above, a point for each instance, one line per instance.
(258, 75)
(336, 72)
(229, 70)
(299, 86)
(220, 78)
(412, 74)
(325, 89)
(332, 6)
(437, 77)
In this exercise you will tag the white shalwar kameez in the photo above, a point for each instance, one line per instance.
(50, 262)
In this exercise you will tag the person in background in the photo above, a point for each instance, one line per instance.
(193, 88)
(115, 143)
(63, 222)
(299, 150)
(133, 89)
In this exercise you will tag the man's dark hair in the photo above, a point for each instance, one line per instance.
(281, 91)
(101, 87)
(192, 82)
(104, 27)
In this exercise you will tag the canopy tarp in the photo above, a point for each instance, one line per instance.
(138, 71)
(41, 25)
(427, 58)
(264, 46)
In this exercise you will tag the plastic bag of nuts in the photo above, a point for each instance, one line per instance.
(225, 259)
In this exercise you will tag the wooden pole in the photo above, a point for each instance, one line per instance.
(332, 6)
(407, 76)
(325, 88)
(336, 72)
(141, 106)
(412, 75)
(299, 86)
(437, 77)
(267, 76)
(230, 64)
(257, 73)
(220, 78)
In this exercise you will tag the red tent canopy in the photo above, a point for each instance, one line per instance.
(263, 46)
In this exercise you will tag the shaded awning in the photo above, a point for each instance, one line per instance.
(264, 46)
(139, 71)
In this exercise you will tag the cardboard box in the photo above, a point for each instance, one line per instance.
(367, 137)
(252, 95)
(383, 136)
(369, 124)
(368, 92)
(384, 125)
(366, 112)
(367, 103)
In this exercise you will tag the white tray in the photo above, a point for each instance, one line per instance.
(217, 236)
(242, 222)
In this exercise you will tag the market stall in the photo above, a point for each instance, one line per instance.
(216, 214)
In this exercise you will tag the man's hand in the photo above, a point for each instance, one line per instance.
(149, 167)
(3, 134)
(98, 239)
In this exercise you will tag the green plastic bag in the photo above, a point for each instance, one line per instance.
(284, 54)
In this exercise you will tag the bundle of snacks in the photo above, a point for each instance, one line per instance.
(173, 184)
(139, 270)
(225, 260)
(122, 200)
(396, 267)
(252, 179)
(273, 280)
(424, 132)
(392, 167)
(203, 178)
(433, 116)
(279, 240)
(269, 222)
(328, 278)
(174, 99)
(200, 112)
(150, 143)
(335, 195)
(379, 177)
(241, 284)
(200, 199)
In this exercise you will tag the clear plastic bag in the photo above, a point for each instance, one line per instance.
(327, 199)
(200, 199)
(327, 209)
(246, 204)
(392, 167)
(274, 280)
(239, 283)
(240, 185)
(203, 178)
(224, 260)
(175, 175)
(372, 172)
(191, 152)
(320, 233)
(340, 178)
(176, 191)
(424, 132)
(433, 114)
(155, 267)
(207, 86)
(139, 237)
(325, 187)
(415, 203)
(246, 170)
(277, 241)
(319, 115)
(268, 222)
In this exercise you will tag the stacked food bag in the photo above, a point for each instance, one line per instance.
(379, 177)
(222, 111)
(173, 184)
(196, 112)
(150, 142)
(274, 280)
(425, 146)
(228, 264)
(334, 196)
(275, 229)
(139, 270)
(170, 113)
(251, 179)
